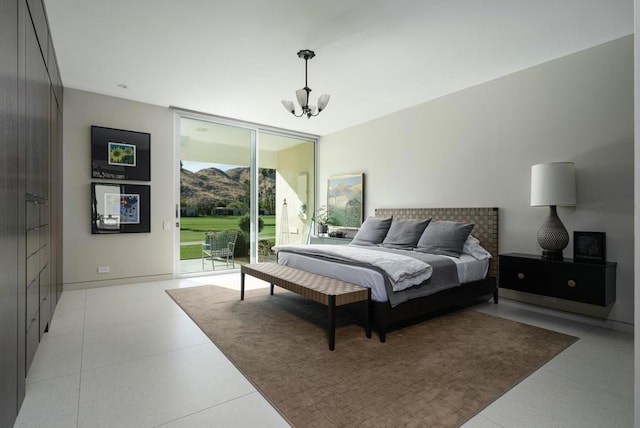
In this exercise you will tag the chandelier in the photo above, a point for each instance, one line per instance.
(303, 94)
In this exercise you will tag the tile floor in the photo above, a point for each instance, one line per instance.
(127, 356)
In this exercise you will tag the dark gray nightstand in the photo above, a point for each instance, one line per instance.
(565, 279)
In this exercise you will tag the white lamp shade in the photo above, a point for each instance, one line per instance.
(301, 95)
(288, 105)
(323, 101)
(553, 183)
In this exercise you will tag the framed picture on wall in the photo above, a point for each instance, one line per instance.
(589, 247)
(120, 208)
(345, 200)
(120, 155)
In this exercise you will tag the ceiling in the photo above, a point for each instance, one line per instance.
(374, 57)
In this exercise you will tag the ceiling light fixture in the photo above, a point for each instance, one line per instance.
(303, 94)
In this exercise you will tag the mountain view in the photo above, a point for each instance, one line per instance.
(202, 192)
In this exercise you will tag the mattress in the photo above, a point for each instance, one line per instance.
(469, 269)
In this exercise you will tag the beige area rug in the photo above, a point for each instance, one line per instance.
(438, 373)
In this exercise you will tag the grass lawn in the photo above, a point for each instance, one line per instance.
(192, 229)
(190, 252)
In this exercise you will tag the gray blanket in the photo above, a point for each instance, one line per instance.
(445, 274)
(402, 270)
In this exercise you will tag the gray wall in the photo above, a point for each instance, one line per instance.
(475, 148)
(133, 256)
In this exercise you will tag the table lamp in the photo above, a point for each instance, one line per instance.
(553, 184)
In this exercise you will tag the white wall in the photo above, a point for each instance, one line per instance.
(134, 256)
(476, 147)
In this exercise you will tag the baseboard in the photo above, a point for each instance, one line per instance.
(585, 319)
(115, 281)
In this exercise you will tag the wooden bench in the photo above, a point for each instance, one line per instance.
(328, 291)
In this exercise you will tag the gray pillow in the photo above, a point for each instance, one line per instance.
(372, 231)
(444, 238)
(404, 233)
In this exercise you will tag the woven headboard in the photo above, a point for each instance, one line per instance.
(484, 219)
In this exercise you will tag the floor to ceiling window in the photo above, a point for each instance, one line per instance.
(242, 190)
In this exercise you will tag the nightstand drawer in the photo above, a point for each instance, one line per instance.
(521, 276)
(578, 282)
(587, 283)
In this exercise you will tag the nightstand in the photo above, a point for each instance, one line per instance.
(329, 240)
(565, 279)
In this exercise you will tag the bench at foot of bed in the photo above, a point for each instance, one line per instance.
(328, 291)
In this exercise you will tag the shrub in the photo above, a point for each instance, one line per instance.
(242, 244)
(245, 224)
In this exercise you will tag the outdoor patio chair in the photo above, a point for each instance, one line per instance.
(219, 246)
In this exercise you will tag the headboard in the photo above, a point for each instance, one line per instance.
(484, 219)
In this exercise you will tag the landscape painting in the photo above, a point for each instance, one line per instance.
(345, 200)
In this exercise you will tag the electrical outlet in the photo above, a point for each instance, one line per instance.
(293, 230)
(104, 269)
(166, 225)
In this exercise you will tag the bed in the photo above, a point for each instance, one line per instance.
(395, 306)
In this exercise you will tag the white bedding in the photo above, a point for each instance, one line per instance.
(469, 269)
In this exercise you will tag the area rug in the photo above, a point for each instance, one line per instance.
(438, 373)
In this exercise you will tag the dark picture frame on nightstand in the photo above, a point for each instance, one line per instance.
(589, 247)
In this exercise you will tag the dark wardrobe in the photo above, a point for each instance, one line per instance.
(30, 192)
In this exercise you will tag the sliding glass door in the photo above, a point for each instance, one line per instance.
(242, 190)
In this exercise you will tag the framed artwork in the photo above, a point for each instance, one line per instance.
(120, 155)
(345, 200)
(589, 247)
(120, 208)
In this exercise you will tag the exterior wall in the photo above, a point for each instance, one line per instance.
(294, 182)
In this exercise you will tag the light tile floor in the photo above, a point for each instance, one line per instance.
(127, 356)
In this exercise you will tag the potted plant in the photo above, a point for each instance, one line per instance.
(322, 219)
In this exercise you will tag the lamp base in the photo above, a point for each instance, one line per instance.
(552, 255)
(552, 236)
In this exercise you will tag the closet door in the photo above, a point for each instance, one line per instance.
(55, 197)
(28, 72)
(9, 369)
(36, 170)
